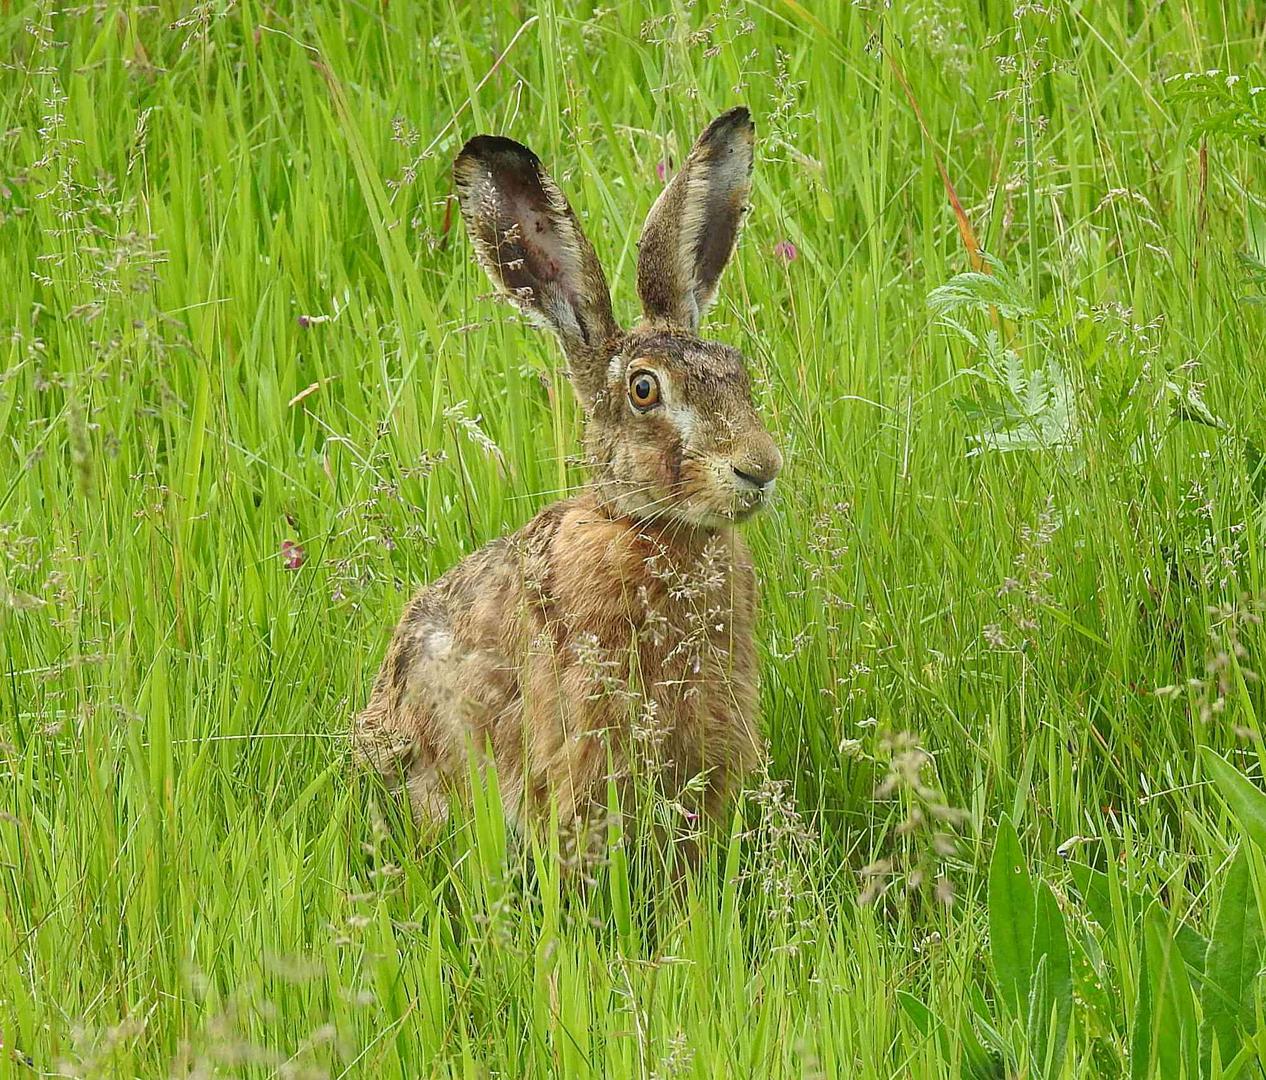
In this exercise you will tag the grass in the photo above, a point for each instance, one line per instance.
(239, 311)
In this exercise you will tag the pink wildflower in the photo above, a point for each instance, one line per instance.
(292, 555)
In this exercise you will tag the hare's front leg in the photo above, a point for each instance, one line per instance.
(397, 755)
(401, 732)
(574, 752)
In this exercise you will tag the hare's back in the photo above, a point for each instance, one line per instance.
(453, 669)
(447, 672)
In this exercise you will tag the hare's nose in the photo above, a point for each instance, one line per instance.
(759, 472)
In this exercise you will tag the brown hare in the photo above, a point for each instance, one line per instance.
(616, 627)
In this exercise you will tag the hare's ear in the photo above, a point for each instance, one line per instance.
(691, 230)
(528, 240)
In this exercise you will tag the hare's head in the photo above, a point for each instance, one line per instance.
(671, 432)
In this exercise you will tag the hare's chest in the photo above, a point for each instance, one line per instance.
(691, 639)
(649, 617)
(696, 681)
(694, 648)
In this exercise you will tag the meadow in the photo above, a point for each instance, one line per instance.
(1003, 290)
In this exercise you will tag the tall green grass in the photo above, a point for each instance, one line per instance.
(239, 311)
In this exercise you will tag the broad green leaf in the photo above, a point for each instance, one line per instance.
(1232, 965)
(1011, 919)
(1051, 955)
(923, 1017)
(1247, 802)
(1174, 1005)
(1091, 979)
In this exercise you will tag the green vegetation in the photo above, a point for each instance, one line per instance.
(251, 395)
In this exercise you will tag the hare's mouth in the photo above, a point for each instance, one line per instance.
(738, 503)
(730, 495)
(715, 509)
(749, 493)
(749, 503)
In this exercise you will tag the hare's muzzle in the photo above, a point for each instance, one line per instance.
(754, 470)
(758, 466)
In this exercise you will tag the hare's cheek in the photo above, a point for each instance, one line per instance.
(672, 463)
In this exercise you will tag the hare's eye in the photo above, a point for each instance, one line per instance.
(643, 390)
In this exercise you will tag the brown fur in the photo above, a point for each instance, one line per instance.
(630, 608)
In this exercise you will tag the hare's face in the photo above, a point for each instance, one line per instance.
(674, 436)
(672, 433)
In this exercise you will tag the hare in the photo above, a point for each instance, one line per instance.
(616, 627)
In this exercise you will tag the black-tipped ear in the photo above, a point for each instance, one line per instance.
(529, 241)
(693, 227)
